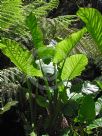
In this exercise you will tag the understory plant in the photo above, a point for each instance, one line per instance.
(50, 71)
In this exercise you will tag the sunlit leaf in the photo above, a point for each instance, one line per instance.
(93, 20)
(21, 57)
(64, 47)
(73, 66)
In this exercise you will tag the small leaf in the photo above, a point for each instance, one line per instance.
(64, 47)
(87, 109)
(73, 66)
(89, 88)
(8, 106)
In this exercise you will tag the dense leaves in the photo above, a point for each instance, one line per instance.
(10, 12)
(55, 101)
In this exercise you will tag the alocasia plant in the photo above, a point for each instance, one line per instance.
(67, 67)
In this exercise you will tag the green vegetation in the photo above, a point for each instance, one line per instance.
(49, 78)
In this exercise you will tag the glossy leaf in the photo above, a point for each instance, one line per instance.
(98, 105)
(64, 47)
(21, 57)
(73, 66)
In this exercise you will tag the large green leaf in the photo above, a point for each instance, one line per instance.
(73, 66)
(21, 57)
(37, 35)
(64, 47)
(87, 109)
(93, 20)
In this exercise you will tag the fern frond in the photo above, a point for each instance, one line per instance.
(57, 27)
(41, 8)
(88, 46)
(33, 5)
(10, 75)
(10, 13)
(65, 20)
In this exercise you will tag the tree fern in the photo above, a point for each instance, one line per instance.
(10, 75)
(87, 46)
(44, 9)
(10, 12)
(51, 27)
